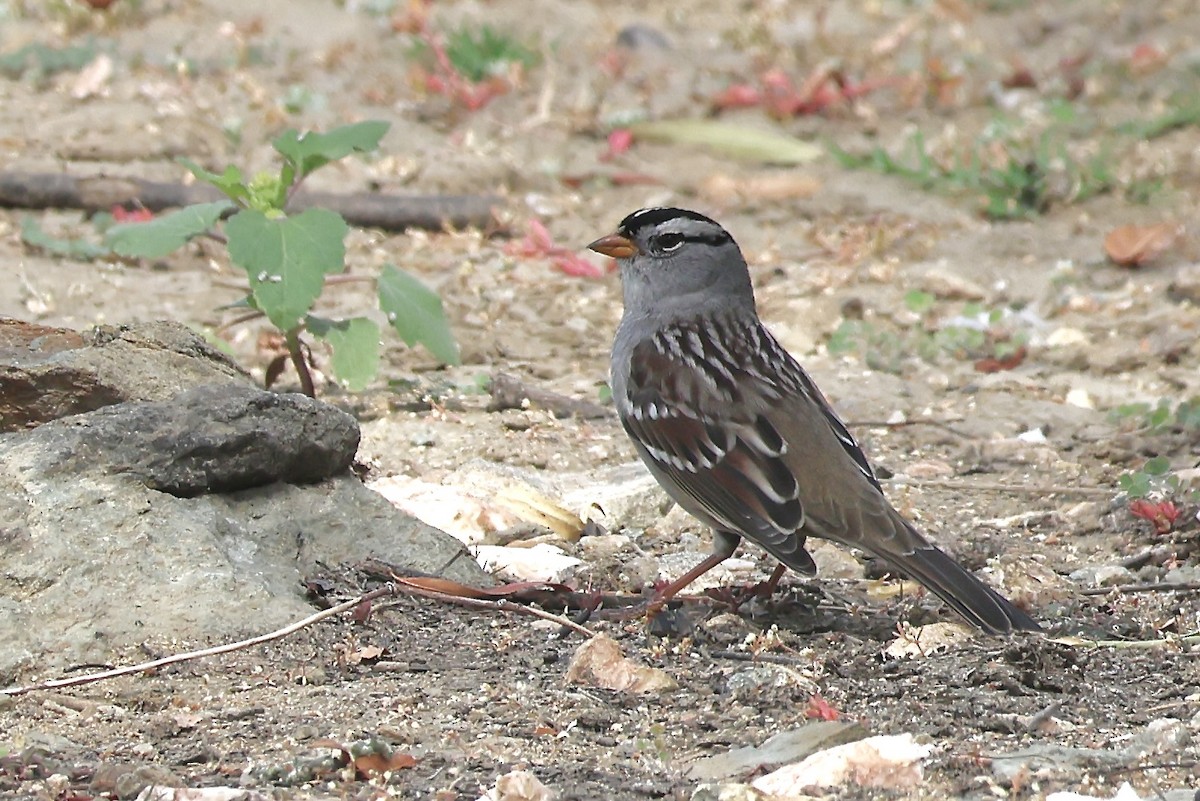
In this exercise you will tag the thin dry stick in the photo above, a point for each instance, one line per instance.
(489, 603)
(390, 589)
(1023, 489)
(1122, 645)
(942, 424)
(1160, 586)
(185, 657)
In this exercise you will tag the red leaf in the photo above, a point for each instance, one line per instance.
(123, 215)
(738, 95)
(993, 364)
(619, 141)
(1162, 514)
(577, 266)
(821, 709)
(1146, 58)
(361, 613)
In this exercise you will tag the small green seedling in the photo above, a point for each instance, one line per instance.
(289, 258)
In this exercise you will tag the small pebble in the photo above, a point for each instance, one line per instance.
(643, 37)
(1103, 576)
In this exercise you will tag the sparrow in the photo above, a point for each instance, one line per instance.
(735, 430)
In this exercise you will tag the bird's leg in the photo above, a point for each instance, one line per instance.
(763, 589)
(724, 544)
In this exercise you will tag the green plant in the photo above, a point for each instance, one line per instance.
(975, 333)
(1183, 415)
(471, 67)
(486, 52)
(1014, 179)
(1184, 113)
(37, 62)
(289, 259)
(1152, 478)
(1157, 494)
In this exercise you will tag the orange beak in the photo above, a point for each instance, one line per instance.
(614, 245)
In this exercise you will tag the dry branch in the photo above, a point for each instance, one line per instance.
(365, 209)
(510, 392)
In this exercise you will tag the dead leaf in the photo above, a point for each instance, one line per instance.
(374, 764)
(737, 141)
(518, 785)
(1135, 245)
(364, 654)
(187, 719)
(600, 663)
(997, 364)
(536, 507)
(782, 185)
(921, 641)
(93, 78)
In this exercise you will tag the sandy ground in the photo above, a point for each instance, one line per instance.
(471, 695)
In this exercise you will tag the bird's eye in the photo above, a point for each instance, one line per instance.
(667, 243)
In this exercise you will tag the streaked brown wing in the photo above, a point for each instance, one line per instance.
(713, 447)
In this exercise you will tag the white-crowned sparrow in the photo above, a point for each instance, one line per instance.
(735, 430)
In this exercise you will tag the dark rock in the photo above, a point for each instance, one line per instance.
(214, 438)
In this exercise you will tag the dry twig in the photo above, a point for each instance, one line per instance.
(1019, 489)
(1152, 586)
(510, 392)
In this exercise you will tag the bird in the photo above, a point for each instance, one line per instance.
(735, 430)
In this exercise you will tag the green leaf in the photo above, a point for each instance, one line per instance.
(156, 238)
(847, 337)
(918, 301)
(268, 193)
(230, 182)
(415, 311)
(1135, 485)
(39, 61)
(32, 234)
(287, 259)
(1158, 466)
(309, 151)
(1160, 415)
(355, 344)
(738, 141)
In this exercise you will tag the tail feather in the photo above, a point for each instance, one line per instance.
(967, 595)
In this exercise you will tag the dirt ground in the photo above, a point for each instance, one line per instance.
(471, 695)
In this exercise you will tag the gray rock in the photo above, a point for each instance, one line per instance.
(131, 784)
(1185, 286)
(1054, 759)
(1102, 576)
(783, 748)
(48, 373)
(111, 533)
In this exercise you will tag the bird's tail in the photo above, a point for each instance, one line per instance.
(955, 585)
